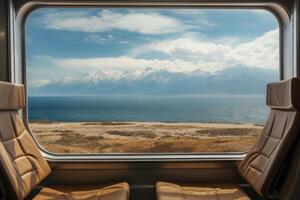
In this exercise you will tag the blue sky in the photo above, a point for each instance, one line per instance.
(66, 43)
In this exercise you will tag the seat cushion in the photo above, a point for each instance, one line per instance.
(169, 191)
(114, 192)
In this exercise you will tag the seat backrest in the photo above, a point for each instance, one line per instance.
(20, 158)
(263, 162)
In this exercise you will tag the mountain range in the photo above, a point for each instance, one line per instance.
(237, 80)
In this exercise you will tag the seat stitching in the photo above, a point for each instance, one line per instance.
(251, 166)
(284, 130)
(14, 132)
(271, 153)
(14, 165)
(250, 159)
(275, 138)
(21, 147)
(11, 155)
(278, 140)
(248, 167)
(259, 151)
(18, 157)
(284, 127)
(268, 156)
(256, 169)
(23, 155)
(15, 138)
(18, 176)
(270, 131)
(29, 155)
(32, 170)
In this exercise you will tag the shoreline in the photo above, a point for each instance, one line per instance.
(163, 122)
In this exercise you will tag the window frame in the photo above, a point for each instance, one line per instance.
(19, 73)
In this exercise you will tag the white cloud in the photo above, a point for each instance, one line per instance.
(125, 63)
(94, 38)
(107, 20)
(260, 52)
(38, 83)
(182, 54)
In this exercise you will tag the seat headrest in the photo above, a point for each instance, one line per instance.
(284, 95)
(12, 96)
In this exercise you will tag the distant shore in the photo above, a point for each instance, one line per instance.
(144, 137)
(135, 122)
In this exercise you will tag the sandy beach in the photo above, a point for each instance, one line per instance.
(144, 137)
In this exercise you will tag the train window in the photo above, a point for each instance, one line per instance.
(141, 80)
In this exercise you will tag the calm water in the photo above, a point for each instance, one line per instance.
(237, 109)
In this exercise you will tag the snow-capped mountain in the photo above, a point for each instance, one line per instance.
(235, 80)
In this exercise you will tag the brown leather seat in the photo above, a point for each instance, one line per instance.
(169, 191)
(22, 163)
(113, 192)
(262, 163)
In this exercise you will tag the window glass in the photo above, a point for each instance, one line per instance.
(132, 80)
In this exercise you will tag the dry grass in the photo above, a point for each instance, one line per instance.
(138, 137)
(230, 132)
(106, 123)
(143, 134)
